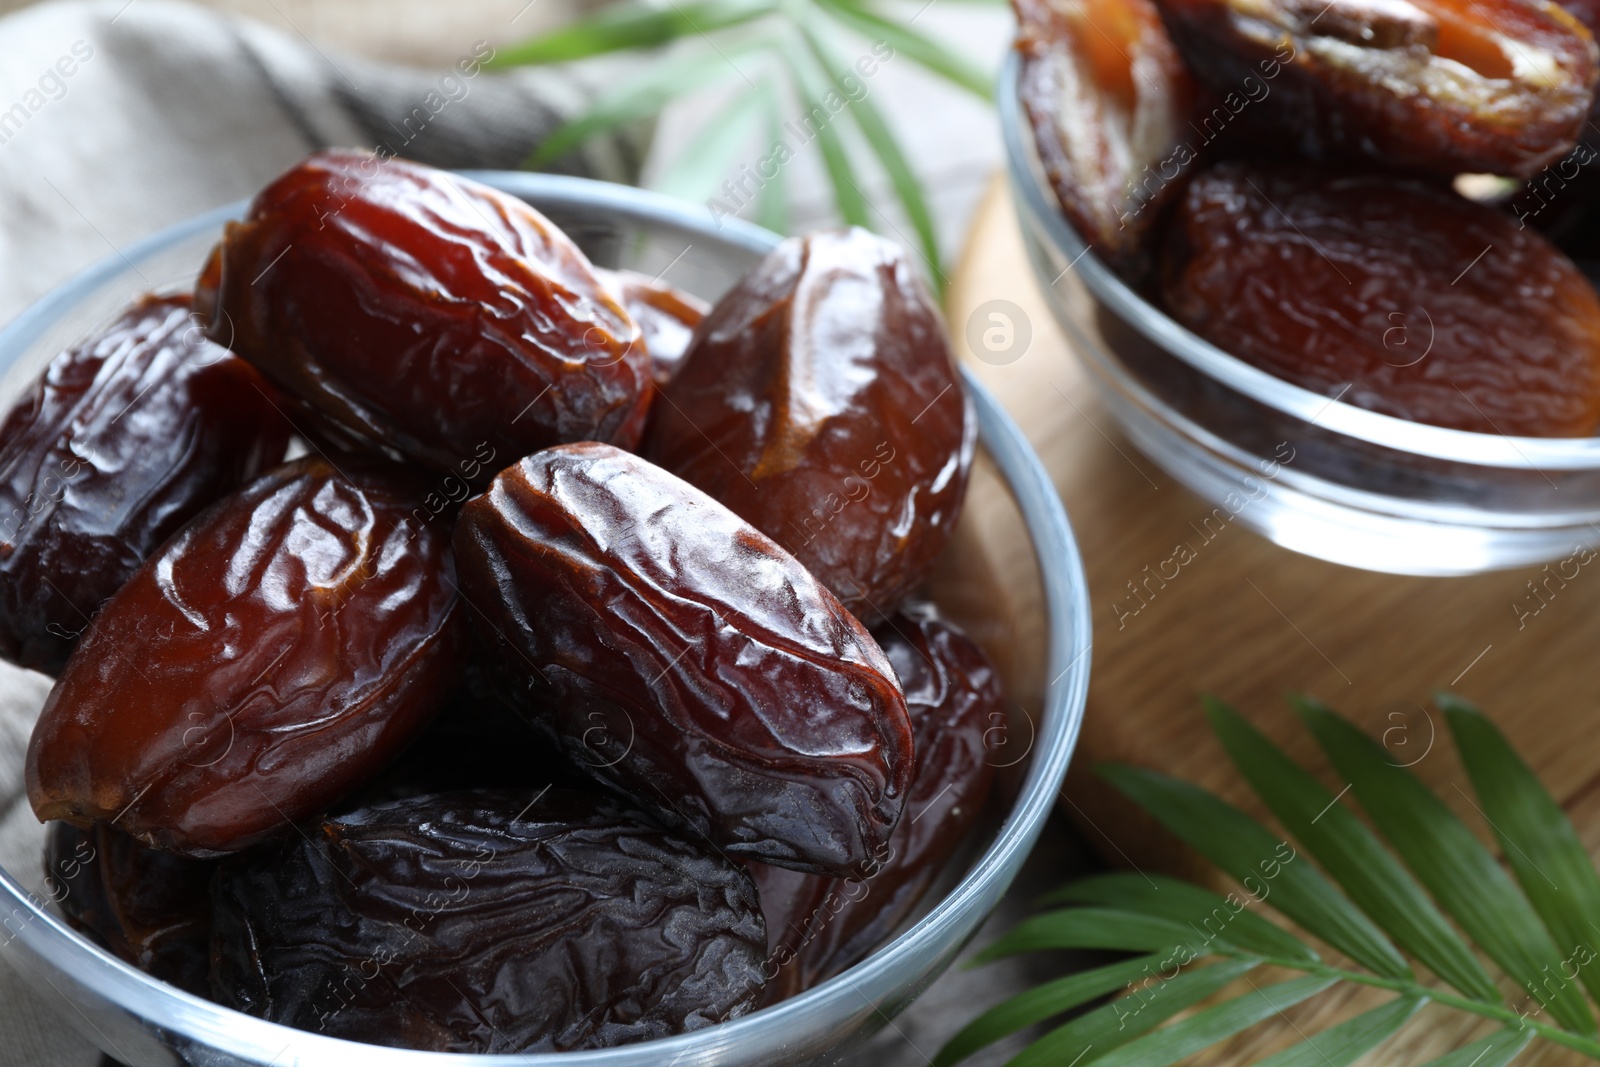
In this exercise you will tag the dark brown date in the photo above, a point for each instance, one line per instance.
(121, 441)
(1391, 294)
(666, 317)
(817, 927)
(677, 654)
(821, 403)
(425, 314)
(476, 741)
(150, 908)
(273, 655)
(489, 922)
(1109, 102)
(1449, 86)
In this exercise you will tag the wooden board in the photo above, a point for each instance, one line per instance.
(1251, 622)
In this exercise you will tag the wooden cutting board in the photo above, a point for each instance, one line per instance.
(1250, 622)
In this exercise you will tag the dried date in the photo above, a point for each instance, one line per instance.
(816, 926)
(1109, 102)
(150, 908)
(1391, 294)
(677, 654)
(276, 653)
(666, 317)
(119, 442)
(476, 741)
(489, 922)
(420, 313)
(821, 403)
(1483, 86)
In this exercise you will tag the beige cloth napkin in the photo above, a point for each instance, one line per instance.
(117, 119)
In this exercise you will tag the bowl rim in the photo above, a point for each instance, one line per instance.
(1028, 180)
(187, 1017)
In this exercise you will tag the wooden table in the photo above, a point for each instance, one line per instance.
(1251, 622)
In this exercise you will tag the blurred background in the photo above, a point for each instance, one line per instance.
(186, 106)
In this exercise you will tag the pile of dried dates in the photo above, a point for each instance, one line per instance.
(1385, 202)
(463, 647)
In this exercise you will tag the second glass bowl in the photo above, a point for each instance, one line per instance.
(1307, 471)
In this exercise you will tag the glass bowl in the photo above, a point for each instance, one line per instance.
(1305, 470)
(1037, 628)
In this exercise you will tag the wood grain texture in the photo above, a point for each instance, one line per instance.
(1251, 622)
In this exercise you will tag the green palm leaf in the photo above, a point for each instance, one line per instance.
(813, 89)
(1496, 1050)
(882, 141)
(1350, 853)
(1174, 924)
(643, 96)
(1343, 1044)
(916, 46)
(1050, 999)
(1096, 1033)
(1202, 911)
(709, 157)
(620, 27)
(772, 209)
(1107, 928)
(1206, 1028)
(1445, 856)
(796, 34)
(1245, 849)
(1536, 839)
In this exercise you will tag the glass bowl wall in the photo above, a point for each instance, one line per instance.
(1037, 633)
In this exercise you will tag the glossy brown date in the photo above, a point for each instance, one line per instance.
(666, 317)
(1391, 294)
(817, 927)
(1449, 86)
(150, 908)
(274, 654)
(677, 654)
(820, 402)
(489, 922)
(1109, 102)
(423, 314)
(118, 443)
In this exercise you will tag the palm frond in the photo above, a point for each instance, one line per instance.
(1127, 1018)
(642, 97)
(915, 45)
(1382, 900)
(1536, 839)
(882, 140)
(626, 26)
(796, 38)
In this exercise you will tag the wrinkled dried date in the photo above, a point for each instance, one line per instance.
(677, 654)
(476, 741)
(821, 403)
(1109, 102)
(1393, 294)
(122, 440)
(666, 317)
(1484, 86)
(493, 921)
(819, 926)
(273, 655)
(425, 313)
(150, 908)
